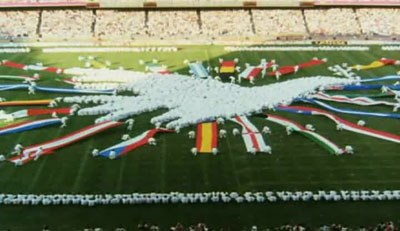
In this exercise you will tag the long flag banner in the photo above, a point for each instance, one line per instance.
(346, 125)
(15, 77)
(207, 137)
(40, 111)
(251, 71)
(40, 102)
(385, 78)
(26, 126)
(253, 139)
(322, 141)
(198, 70)
(6, 87)
(362, 87)
(350, 111)
(285, 70)
(29, 153)
(32, 67)
(376, 64)
(125, 147)
(363, 101)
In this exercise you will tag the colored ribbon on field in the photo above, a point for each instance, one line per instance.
(322, 141)
(29, 153)
(15, 77)
(350, 111)
(344, 124)
(40, 102)
(26, 126)
(253, 139)
(198, 70)
(363, 101)
(251, 71)
(5, 87)
(376, 64)
(125, 147)
(207, 137)
(384, 78)
(285, 70)
(31, 67)
(40, 111)
(362, 87)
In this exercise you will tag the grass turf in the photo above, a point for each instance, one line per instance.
(296, 164)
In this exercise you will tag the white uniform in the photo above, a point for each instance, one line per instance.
(38, 153)
(222, 133)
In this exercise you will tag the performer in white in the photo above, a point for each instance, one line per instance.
(130, 123)
(235, 132)
(191, 134)
(222, 133)
(38, 153)
(152, 141)
(125, 137)
(194, 151)
(289, 130)
(349, 149)
(64, 122)
(266, 130)
(361, 123)
(17, 149)
(215, 151)
(95, 152)
(310, 127)
(31, 90)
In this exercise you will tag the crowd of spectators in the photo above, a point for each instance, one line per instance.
(334, 21)
(379, 21)
(120, 24)
(66, 24)
(18, 24)
(173, 23)
(215, 23)
(278, 22)
(271, 23)
(144, 226)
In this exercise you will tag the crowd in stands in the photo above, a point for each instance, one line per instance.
(173, 23)
(334, 21)
(117, 24)
(278, 22)
(271, 23)
(216, 23)
(65, 24)
(19, 24)
(144, 226)
(379, 21)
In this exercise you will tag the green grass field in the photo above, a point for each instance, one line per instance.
(296, 164)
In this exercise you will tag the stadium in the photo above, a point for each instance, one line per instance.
(199, 115)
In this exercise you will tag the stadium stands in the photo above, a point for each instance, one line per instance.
(206, 24)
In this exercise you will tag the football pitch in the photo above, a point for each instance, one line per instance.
(297, 163)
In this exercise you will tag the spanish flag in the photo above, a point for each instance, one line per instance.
(207, 137)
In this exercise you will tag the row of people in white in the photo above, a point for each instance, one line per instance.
(193, 198)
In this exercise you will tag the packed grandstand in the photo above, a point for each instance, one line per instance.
(199, 115)
(207, 24)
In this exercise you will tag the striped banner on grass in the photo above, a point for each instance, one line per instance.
(29, 153)
(207, 137)
(346, 125)
(363, 101)
(125, 147)
(322, 141)
(253, 139)
(26, 126)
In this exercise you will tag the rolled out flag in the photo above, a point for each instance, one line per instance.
(207, 137)
(40, 102)
(252, 138)
(363, 101)
(198, 70)
(26, 126)
(322, 141)
(125, 147)
(29, 153)
(40, 111)
(285, 70)
(344, 124)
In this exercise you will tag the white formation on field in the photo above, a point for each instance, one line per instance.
(191, 101)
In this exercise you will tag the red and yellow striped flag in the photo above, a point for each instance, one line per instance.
(207, 137)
